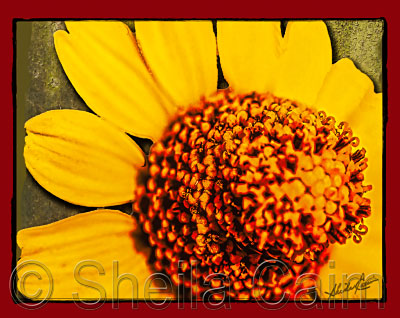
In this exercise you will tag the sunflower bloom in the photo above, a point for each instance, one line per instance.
(285, 164)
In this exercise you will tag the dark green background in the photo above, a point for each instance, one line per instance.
(42, 85)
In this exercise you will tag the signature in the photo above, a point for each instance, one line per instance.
(360, 284)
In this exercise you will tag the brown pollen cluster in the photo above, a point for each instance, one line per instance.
(240, 179)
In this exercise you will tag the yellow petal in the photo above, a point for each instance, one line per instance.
(103, 240)
(306, 59)
(365, 257)
(182, 57)
(249, 53)
(353, 260)
(369, 128)
(102, 61)
(343, 90)
(81, 158)
(366, 123)
(366, 120)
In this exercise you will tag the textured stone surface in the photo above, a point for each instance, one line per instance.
(49, 89)
(361, 41)
(42, 85)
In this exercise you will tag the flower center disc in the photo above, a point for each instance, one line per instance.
(240, 179)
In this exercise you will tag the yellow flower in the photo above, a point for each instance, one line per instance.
(139, 85)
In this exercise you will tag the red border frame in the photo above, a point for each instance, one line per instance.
(205, 9)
